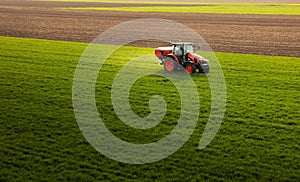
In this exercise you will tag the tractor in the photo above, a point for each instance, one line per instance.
(183, 54)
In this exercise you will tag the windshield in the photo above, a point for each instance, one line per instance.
(188, 48)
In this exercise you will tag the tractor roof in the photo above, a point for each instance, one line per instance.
(180, 43)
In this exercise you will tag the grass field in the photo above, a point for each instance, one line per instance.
(40, 140)
(219, 8)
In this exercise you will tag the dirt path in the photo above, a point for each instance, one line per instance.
(259, 34)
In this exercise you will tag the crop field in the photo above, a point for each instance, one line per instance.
(251, 34)
(234, 8)
(195, 7)
(258, 49)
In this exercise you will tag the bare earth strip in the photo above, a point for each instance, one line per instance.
(258, 34)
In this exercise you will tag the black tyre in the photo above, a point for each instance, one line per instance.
(190, 67)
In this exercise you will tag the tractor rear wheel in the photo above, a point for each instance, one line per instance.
(170, 64)
(189, 67)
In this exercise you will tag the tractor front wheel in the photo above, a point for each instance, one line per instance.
(189, 68)
(170, 65)
(204, 69)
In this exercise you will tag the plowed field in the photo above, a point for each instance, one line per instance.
(257, 34)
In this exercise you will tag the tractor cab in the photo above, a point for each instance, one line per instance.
(182, 49)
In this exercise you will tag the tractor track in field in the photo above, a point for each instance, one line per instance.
(257, 34)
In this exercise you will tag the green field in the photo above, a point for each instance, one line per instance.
(220, 8)
(259, 138)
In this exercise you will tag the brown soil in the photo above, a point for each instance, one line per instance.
(258, 34)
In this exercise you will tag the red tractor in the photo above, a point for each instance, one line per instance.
(184, 55)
